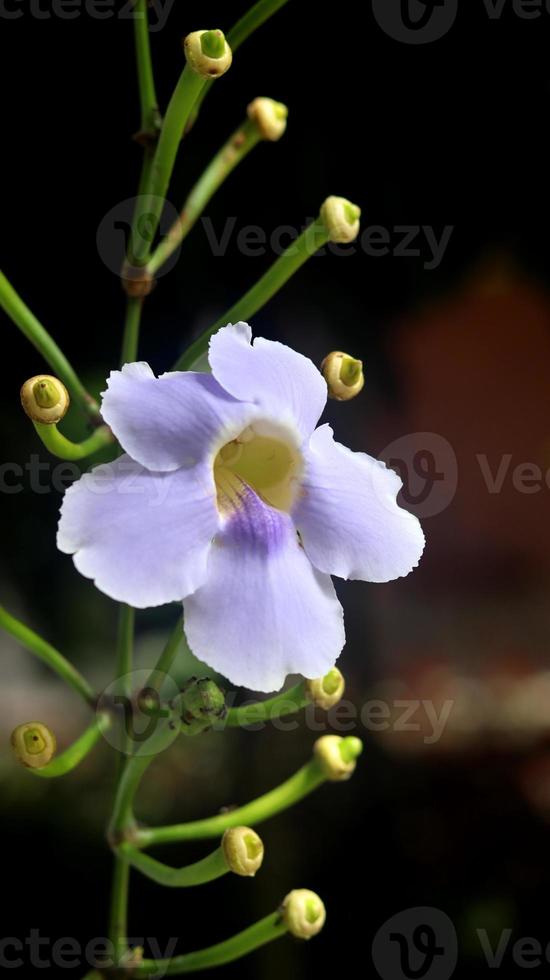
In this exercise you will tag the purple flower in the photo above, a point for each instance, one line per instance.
(230, 499)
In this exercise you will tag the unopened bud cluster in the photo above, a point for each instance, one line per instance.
(243, 850)
(33, 744)
(326, 691)
(269, 116)
(337, 756)
(343, 375)
(303, 913)
(208, 53)
(45, 399)
(341, 219)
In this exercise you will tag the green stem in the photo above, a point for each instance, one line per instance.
(130, 339)
(33, 330)
(125, 646)
(233, 152)
(208, 869)
(123, 818)
(249, 22)
(73, 756)
(118, 920)
(118, 923)
(147, 94)
(48, 654)
(150, 205)
(308, 778)
(313, 238)
(286, 703)
(125, 640)
(64, 448)
(166, 658)
(262, 932)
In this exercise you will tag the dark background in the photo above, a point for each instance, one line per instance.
(449, 133)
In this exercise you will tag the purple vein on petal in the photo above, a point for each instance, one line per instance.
(254, 526)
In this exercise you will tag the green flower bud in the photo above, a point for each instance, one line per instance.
(207, 53)
(303, 913)
(341, 219)
(269, 116)
(337, 756)
(137, 282)
(243, 850)
(33, 744)
(343, 375)
(326, 691)
(45, 399)
(202, 703)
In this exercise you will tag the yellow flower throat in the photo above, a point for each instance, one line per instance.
(264, 460)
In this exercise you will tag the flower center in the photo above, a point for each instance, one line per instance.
(261, 457)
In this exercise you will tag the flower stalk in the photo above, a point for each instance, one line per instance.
(300, 785)
(64, 448)
(286, 703)
(266, 930)
(232, 153)
(118, 918)
(323, 692)
(214, 865)
(77, 752)
(150, 204)
(166, 658)
(200, 873)
(201, 703)
(248, 23)
(293, 258)
(30, 326)
(150, 119)
(48, 654)
(147, 136)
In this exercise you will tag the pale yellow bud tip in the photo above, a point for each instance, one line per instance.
(33, 744)
(243, 851)
(341, 219)
(326, 691)
(303, 913)
(343, 375)
(207, 53)
(269, 116)
(45, 399)
(337, 756)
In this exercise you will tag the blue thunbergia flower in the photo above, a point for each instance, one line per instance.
(229, 498)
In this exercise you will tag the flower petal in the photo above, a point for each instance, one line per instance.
(171, 421)
(348, 517)
(264, 611)
(143, 537)
(285, 384)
